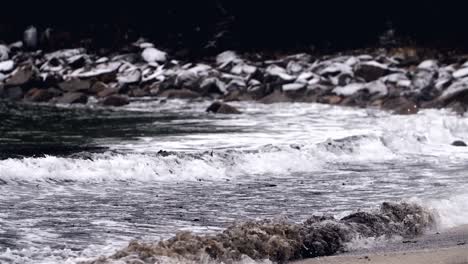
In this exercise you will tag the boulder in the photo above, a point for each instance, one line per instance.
(371, 71)
(72, 98)
(180, 94)
(222, 108)
(275, 97)
(21, 75)
(459, 143)
(138, 92)
(115, 100)
(97, 87)
(75, 85)
(4, 52)
(7, 66)
(108, 91)
(330, 99)
(151, 54)
(400, 106)
(38, 95)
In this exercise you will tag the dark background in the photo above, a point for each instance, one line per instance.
(214, 25)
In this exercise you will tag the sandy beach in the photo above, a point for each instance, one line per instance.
(447, 247)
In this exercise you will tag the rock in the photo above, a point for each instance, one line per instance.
(213, 86)
(180, 94)
(75, 85)
(97, 87)
(336, 69)
(38, 95)
(275, 97)
(129, 76)
(108, 91)
(274, 70)
(13, 93)
(115, 100)
(461, 73)
(330, 99)
(225, 58)
(349, 89)
(7, 66)
(459, 143)
(400, 106)
(243, 69)
(4, 53)
(30, 37)
(407, 109)
(371, 71)
(153, 55)
(222, 108)
(428, 65)
(293, 87)
(139, 92)
(457, 91)
(72, 98)
(98, 71)
(191, 78)
(20, 76)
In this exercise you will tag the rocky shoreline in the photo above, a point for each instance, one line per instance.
(401, 80)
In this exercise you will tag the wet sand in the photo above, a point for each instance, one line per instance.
(447, 247)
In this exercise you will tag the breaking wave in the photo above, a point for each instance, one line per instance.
(214, 165)
(281, 241)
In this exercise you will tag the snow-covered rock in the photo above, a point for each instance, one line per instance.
(100, 69)
(227, 57)
(153, 55)
(7, 66)
(290, 87)
(4, 52)
(461, 73)
(349, 89)
(430, 65)
(276, 70)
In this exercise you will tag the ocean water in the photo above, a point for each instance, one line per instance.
(81, 182)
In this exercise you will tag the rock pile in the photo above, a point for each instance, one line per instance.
(394, 81)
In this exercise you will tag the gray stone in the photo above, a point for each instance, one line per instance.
(75, 85)
(115, 100)
(371, 71)
(4, 50)
(20, 76)
(181, 94)
(73, 98)
(459, 143)
(222, 108)
(38, 95)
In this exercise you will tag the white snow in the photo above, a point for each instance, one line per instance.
(226, 57)
(430, 65)
(153, 55)
(293, 87)
(6, 66)
(349, 89)
(463, 72)
(4, 50)
(276, 70)
(98, 70)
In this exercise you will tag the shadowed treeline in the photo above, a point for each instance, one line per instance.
(214, 25)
